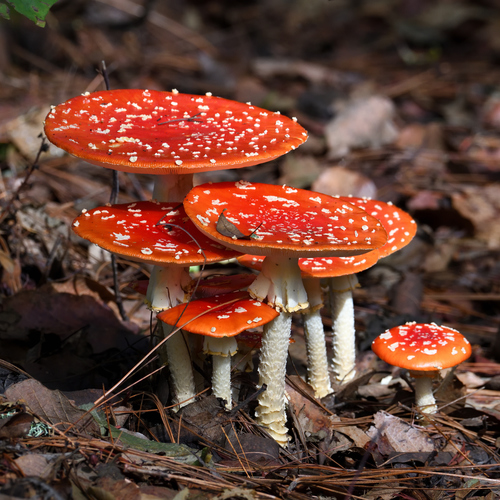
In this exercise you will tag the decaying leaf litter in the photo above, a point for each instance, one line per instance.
(401, 103)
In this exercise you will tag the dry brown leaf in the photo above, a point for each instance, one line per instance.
(340, 181)
(363, 123)
(33, 464)
(47, 311)
(52, 406)
(398, 435)
(481, 205)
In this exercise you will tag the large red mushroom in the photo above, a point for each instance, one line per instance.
(169, 134)
(283, 224)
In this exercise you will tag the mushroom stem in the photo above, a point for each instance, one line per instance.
(424, 397)
(221, 350)
(344, 335)
(281, 283)
(179, 362)
(317, 360)
(272, 370)
(166, 287)
(165, 290)
(172, 187)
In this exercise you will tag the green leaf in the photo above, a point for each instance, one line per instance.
(179, 452)
(4, 11)
(35, 10)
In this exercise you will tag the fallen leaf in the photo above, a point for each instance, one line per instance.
(340, 181)
(52, 406)
(16, 426)
(481, 205)
(34, 464)
(363, 123)
(398, 435)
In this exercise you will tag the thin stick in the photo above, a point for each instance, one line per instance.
(113, 198)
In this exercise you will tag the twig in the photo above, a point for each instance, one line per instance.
(113, 198)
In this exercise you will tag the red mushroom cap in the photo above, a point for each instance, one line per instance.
(400, 228)
(220, 316)
(321, 267)
(422, 347)
(132, 230)
(148, 131)
(399, 225)
(282, 221)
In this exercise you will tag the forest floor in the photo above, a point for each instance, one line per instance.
(401, 100)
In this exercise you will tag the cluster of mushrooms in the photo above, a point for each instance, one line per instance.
(294, 238)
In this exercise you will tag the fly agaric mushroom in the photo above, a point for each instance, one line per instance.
(401, 229)
(312, 270)
(423, 349)
(169, 134)
(132, 230)
(219, 319)
(283, 224)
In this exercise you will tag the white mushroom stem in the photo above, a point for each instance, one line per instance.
(172, 187)
(424, 397)
(317, 360)
(167, 287)
(165, 291)
(272, 371)
(344, 335)
(179, 362)
(221, 350)
(280, 282)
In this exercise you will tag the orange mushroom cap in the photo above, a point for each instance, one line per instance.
(148, 131)
(223, 315)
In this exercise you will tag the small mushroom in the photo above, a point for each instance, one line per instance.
(219, 319)
(424, 349)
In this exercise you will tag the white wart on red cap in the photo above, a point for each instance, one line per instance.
(148, 131)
